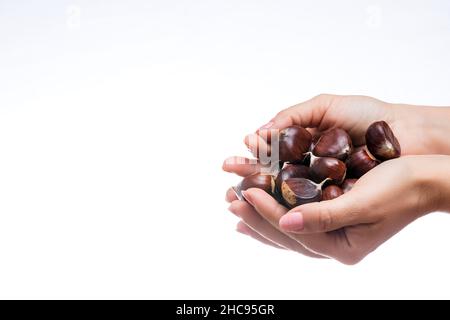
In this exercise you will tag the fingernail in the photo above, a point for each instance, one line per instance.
(247, 197)
(241, 230)
(234, 160)
(267, 125)
(232, 210)
(251, 139)
(227, 162)
(292, 222)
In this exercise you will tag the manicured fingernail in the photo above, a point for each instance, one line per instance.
(228, 161)
(267, 125)
(241, 230)
(247, 197)
(292, 222)
(251, 139)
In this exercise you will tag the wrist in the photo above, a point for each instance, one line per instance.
(429, 125)
(436, 127)
(431, 184)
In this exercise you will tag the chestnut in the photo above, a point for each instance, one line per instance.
(335, 143)
(331, 192)
(298, 191)
(347, 185)
(381, 141)
(257, 180)
(291, 171)
(321, 168)
(360, 161)
(294, 142)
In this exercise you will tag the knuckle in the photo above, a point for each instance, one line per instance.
(323, 97)
(282, 114)
(320, 96)
(352, 256)
(279, 211)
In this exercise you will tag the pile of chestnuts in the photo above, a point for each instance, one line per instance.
(322, 167)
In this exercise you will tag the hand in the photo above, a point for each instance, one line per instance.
(420, 130)
(381, 203)
(258, 228)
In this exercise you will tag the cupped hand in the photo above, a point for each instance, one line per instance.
(256, 226)
(354, 114)
(353, 225)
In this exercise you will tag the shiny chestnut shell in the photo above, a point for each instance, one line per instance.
(331, 192)
(265, 182)
(360, 162)
(291, 171)
(381, 141)
(348, 184)
(294, 142)
(298, 191)
(322, 168)
(335, 143)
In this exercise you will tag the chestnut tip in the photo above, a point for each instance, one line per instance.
(381, 141)
(293, 142)
(264, 182)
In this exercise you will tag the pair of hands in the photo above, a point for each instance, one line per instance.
(381, 203)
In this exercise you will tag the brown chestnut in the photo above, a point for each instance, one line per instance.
(298, 191)
(335, 143)
(347, 185)
(321, 168)
(294, 142)
(291, 171)
(257, 180)
(331, 192)
(360, 161)
(381, 141)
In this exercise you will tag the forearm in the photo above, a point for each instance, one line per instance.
(430, 124)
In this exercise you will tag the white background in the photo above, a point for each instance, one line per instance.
(115, 117)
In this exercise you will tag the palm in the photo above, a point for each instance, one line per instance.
(372, 192)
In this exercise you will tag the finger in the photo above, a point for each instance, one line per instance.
(327, 244)
(265, 229)
(230, 195)
(305, 114)
(244, 229)
(241, 166)
(325, 216)
(257, 146)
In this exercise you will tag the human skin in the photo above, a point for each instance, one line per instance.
(381, 203)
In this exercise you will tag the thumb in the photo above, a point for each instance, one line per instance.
(307, 114)
(323, 216)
